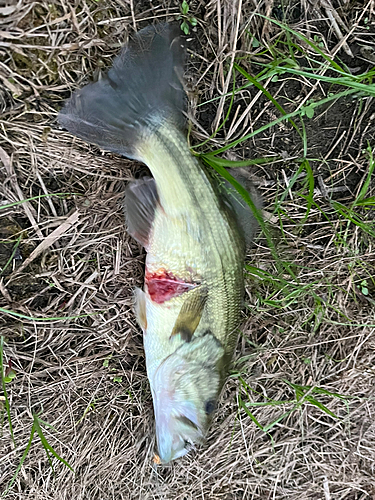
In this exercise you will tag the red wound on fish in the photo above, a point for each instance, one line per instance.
(163, 286)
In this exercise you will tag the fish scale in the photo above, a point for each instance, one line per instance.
(207, 238)
(211, 243)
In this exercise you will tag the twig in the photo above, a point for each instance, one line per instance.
(49, 241)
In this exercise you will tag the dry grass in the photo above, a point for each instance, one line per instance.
(86, 375)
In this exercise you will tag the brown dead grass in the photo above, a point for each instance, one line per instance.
(86, 376)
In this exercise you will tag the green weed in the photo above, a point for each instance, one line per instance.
(43, 319)
(35, 428)
(4, 381)
(303, 395)
(33, 198)
(284, 289)
(187, 20)
(10, 260)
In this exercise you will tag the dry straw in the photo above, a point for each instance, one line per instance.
(296, 418)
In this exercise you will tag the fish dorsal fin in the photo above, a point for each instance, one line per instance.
(140, 308)
(141, 198)
(190, 313)
(244, 215)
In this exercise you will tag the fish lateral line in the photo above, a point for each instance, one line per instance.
(163, 285)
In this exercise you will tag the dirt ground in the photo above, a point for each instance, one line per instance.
(296, 417)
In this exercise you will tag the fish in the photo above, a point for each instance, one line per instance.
(193, 232)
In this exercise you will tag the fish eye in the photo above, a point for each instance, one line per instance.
(210, 406)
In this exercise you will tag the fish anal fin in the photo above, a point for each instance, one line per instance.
(141, 199)
(190, 314)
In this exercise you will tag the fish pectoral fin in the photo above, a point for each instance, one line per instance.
(141, 199)
(140, 308)
(190, 313)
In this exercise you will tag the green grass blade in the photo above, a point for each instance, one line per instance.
(14, 204)
(351, 82)
(265, 276)
(269, 426)
(350, 215)
(46, 444)
(24, 455)
(260, 87)
(273, 402)
(242, 405)
(321, 407)
(305, 165)
(35, 318)
(304, 393)
(12, 255)
(306, 40)
(297, 112)
(241, 163)
(7, 405)
(367, 182)
(367, 202)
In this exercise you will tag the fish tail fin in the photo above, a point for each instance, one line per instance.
(140, 91)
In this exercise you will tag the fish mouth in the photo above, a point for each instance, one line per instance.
(178, 444)
(176, 431)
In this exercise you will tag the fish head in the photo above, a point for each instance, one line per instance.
(185, 390)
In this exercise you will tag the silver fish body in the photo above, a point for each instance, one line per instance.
(190, 307)
(195, 240)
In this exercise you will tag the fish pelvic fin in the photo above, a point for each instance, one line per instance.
(141, 90)
(140, 308)
(190, 314)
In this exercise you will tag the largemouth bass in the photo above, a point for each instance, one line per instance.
(190, 307)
